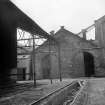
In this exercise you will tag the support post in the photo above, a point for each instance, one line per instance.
(33, 61)
(50, 60)
(59, 62)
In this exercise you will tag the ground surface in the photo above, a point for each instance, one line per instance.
(33, 94)
(96, 91)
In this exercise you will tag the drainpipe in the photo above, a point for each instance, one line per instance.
(50, 60)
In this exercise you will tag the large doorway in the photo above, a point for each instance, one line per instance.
(89, 64)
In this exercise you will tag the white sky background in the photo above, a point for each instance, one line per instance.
(73, 14)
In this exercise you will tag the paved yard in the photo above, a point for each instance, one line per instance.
(96, 92)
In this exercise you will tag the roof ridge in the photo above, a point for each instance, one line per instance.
(74, 35)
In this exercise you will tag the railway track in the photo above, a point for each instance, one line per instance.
(61, 96)
(17, 88)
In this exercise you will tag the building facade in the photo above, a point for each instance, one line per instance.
(71, 57)
(78, 57)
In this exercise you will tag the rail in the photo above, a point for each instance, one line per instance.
(14, 89)
(47, 100)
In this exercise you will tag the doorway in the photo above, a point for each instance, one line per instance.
(89, 64)
(21, 74)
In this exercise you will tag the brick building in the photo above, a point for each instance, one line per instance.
(78, 57)
(72, 56)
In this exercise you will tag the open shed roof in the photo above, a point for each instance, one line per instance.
(13, 15)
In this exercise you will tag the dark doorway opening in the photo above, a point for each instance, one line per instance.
(21, 74)
(24, 73)
(89, 64)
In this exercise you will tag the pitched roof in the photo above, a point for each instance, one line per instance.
(70, 33)
(101, 18)
(73, 35)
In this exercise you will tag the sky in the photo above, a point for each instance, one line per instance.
(73, 14)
